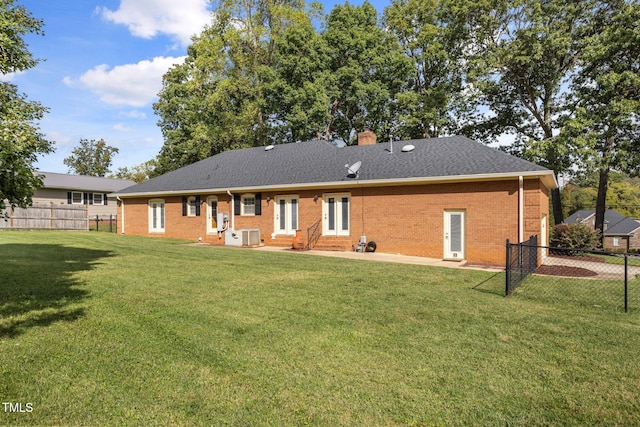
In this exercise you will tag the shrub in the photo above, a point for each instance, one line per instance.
(574, 236)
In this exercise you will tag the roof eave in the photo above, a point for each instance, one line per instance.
(546, 176)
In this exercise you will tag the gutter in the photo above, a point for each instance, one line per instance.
(122, 210)
(233, 213)
(520, 209)
(547, 177)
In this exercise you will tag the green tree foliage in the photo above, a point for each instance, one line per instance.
(606, 94)
(296, 84)
(524, 52)
(623, 194)
(433, 36)
(20, 139)
(91, 158)
(219, 99)
(138, 173)
(368, 70)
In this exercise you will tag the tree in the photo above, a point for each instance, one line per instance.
(433, 36)
(91, 158)
(217, 100)
(623, 194)
(295, 86)
(367, 71)
(20, 139)
(138, 173)
(606, 95)
(525, 50)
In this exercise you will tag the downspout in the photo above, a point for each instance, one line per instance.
(233, 214)
(520, 209)
(121, 210)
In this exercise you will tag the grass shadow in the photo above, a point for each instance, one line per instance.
(493, 285)
(38, 286)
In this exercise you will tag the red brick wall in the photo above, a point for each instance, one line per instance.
(408, 220)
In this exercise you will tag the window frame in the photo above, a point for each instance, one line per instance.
(192, 206)
(73, 202)
(243, 204)
(102, 197)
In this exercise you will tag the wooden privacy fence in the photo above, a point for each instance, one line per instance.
(48, 216)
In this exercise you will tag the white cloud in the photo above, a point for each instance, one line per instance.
(148, 18)
(120, 127)
(132, 84)
(9, 76)
(133, 114)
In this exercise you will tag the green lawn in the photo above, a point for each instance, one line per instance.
(105, 329)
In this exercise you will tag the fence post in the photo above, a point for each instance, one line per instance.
(507, 269)
(626, 283)
(110, 223)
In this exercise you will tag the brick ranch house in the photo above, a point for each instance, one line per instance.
(620, 232)
(449, 198)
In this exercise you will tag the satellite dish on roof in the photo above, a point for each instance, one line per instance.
(352, 170)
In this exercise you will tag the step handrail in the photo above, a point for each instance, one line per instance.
(313, 235)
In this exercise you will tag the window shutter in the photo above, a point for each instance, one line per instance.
(85, 196)
(258, 203)
(104, 199)
(69, 197)
(236, 204)
(90, 198)
(197, 205)
(184, 206)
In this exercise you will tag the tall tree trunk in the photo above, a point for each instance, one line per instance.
(556, 204)
(601, 201)
(603, 183)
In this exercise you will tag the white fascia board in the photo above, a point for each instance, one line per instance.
(547, 178)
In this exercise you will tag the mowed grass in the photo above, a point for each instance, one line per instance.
(105, 329)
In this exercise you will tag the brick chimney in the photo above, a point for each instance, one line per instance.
(366, 138)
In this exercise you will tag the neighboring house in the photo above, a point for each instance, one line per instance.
(81, 190)
(620, 233)
(450, 198)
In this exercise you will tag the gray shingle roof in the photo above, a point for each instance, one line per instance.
(579, 216)
(320, 162)
(83, 183)
(625, 227)
(611, 216)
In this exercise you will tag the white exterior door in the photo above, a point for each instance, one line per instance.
(286, 215)
(336, 213)
(212, 215)
(454, 235)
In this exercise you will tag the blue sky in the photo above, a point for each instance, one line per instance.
(101, 69)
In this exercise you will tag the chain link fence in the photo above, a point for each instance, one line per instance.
(108, 223)
(604, 280)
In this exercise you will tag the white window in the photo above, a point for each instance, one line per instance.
(76, 198)
(248, 204)
(192, 204)
(616, 241)
(156, 216)
(98, 198)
